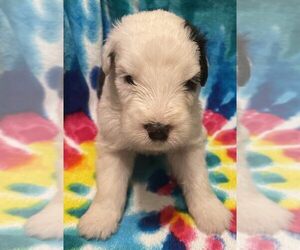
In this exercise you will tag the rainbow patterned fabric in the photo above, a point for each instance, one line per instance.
(155, 216)
(26, 173)
(30, 93)
(270, 105)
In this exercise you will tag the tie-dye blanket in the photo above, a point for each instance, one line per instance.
(156, 216)
(30, 87)
(270, 105)
(29, 96)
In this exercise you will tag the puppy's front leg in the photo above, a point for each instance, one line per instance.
(188, 166)
(113, 172)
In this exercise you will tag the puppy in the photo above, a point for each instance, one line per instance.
(256, 213)
(155, 66)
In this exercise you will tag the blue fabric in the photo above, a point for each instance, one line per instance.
(220, 32)
(217, 20)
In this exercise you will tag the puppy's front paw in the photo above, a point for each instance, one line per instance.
(98, 223)
(211, 216)
(46, 224)
(260, 215)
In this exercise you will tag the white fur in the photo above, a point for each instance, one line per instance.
(48, 223)
(155, 49)
(256, 213)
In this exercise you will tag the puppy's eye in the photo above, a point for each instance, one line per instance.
(191, 85)
(128, 79)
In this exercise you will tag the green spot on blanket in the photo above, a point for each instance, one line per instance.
(27, 211)
(78, 212)
(212, 160)
(256, 160)
(78, 188)
(272, 195)
(222, 196)
(267, 178)
(26, 188)
(217, 178)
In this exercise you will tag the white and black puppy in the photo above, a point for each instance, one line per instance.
(256, 213)
(155, 65)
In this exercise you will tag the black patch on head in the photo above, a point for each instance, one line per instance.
(197, 37)
(100, 83)
(102, 75)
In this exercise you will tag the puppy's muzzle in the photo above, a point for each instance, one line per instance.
(157, 131)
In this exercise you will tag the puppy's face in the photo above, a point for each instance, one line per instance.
(156, 78)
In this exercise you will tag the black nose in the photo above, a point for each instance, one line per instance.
(157, 131)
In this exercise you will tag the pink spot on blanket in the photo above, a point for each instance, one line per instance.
(231, 152)
(295, 224)
(80, 127)
(258, 123)
(293, 153)
(227, 137)
(28, 127)
(284, 137)
(260, 242)
(71, 157)
(232, 227)
(213, 122)
(12, 157)
(168, 188)
(166, 215)
(183, 231)
(214, 242)
(178, 224)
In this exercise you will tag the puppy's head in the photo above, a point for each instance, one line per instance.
(156, 65)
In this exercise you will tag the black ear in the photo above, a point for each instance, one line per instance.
(101, 81)
(199, 38)
(108, 56)
(244, 66)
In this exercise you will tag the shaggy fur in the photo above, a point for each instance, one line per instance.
(157, 51)
(256, 213)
